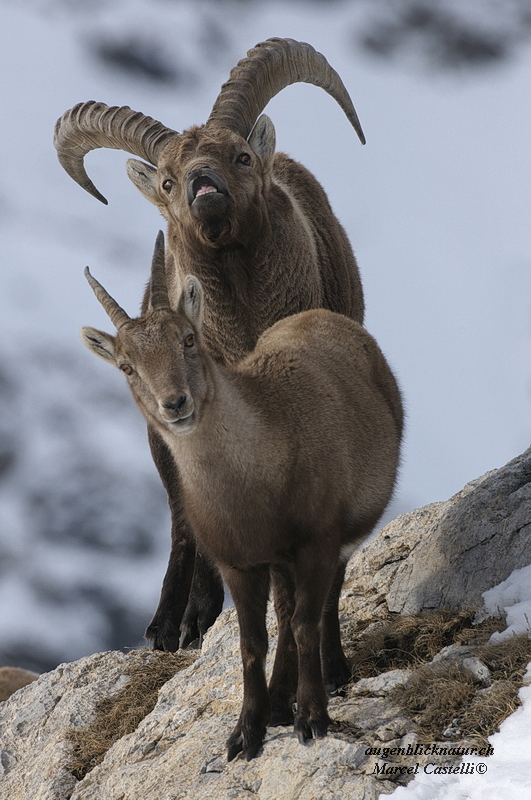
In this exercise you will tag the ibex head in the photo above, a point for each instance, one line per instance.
(206, 178)
(211, 182)
(158, 352)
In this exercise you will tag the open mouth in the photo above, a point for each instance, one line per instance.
(203, 186)
(205, 183)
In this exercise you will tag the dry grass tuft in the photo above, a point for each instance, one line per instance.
(121, 713)
(434, 697)
(402, 642)
(439, 694)
(487, 711)
(507, 660)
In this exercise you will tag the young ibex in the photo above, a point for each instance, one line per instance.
(286, 459)
(254, 226)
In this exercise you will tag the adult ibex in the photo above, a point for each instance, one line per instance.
(254, 226)
(287, 459)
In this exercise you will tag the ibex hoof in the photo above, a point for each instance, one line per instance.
(247, 744)
(311, 728)
(162, 636)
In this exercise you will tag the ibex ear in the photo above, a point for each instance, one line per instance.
(145, 178)
(102, 344)
(192, 301)
(263, 139)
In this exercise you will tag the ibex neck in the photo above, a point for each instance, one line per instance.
(230, 430)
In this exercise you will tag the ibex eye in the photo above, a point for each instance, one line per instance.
(127, 368)
(167, 184)
(244, 158)
(189, 340)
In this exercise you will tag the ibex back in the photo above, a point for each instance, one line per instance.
(287, 460)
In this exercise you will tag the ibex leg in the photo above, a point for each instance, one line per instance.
(284, 678)
(314, 575)
(189, 601)
(205, 602)
(250, 591)
(336, 669)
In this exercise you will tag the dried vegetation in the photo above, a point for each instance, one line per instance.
(443, 698)
(122, 712)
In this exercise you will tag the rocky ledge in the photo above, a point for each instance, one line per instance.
(429, 567)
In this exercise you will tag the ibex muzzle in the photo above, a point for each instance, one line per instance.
(202, 181)
(178, 410)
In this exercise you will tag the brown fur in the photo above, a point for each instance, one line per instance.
(287, 460)
(279, 249)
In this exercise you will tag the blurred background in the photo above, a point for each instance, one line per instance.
(436, 206)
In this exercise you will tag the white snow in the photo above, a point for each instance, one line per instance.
(512, 598)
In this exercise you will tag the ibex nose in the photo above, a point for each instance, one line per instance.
(175, 405)
(176, 408)
(204, 180)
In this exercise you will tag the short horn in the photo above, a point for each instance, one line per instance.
(88, 126)
(269, 67)
(117, 315)
(158, 285)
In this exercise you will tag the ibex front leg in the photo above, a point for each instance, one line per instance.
(250, 590)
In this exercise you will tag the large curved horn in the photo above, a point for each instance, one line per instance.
(117, 315)
(158, 286)
(90, 125)
(269, 67)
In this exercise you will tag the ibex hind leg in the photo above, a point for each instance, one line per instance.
(250, 591)
(315, 571)
(336, 669)
(284, 677)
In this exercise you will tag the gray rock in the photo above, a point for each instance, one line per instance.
(381, 684)
(178, 750)
(451, 733)
(468, 661)
(479, 671)
(445, 555)
(454, 652)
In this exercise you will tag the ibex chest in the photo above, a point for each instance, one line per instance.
(233, 498)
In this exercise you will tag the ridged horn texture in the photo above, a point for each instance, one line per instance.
(269, 67)
(117, 315)
(158, 285)
(90, 125)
